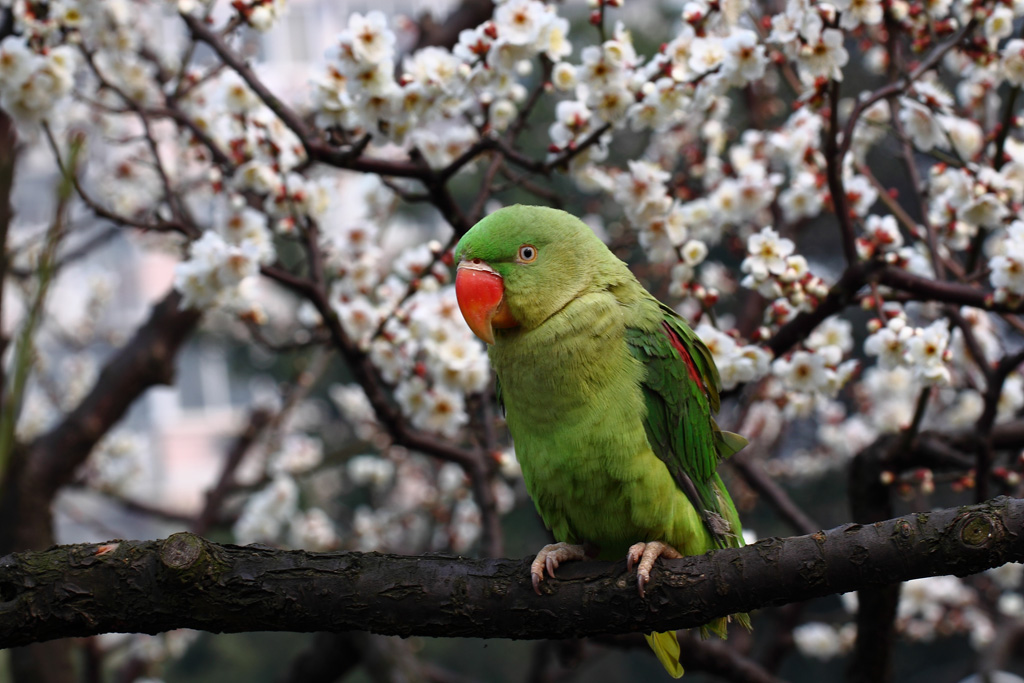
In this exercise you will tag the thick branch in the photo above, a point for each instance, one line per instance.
(870, 501)
(187, 582)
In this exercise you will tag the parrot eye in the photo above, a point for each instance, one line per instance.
(527, 253)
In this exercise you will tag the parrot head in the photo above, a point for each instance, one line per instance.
(522, 264)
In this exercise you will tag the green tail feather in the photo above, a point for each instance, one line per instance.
(728, 443)
(743, 619)
(719, 627)
(666, 647)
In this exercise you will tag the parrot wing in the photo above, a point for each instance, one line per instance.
(681, 387)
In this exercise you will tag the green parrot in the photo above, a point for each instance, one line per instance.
(608, 396)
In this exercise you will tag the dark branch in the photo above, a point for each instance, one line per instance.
(834, 173)
(187, 582)
(926, 289)
(470, 14)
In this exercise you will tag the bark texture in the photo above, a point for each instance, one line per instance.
(185, 581)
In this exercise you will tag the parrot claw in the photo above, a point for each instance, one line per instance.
(549, 557)
(643, 556)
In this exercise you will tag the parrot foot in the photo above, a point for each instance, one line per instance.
(549, 557)
(643, 556)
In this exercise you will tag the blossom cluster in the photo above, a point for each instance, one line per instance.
(117, 464)
(972, 198)
(737, 363)
(32, 84)
(1007, 264)
(924, 350)
(273, 514)
(820, 369)
(215, 270)
(418, 507)
(777, 273)
(260, 14)
(929, 607)
(478, 78)
(405, 316)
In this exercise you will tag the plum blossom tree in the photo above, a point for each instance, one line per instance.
(829, 192)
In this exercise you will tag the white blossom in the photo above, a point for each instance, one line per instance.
(802, 198)
(298, 453)
(314, 530)
(833, 331)
(926, 353)
(805, 371)
(767, 253)
(370, 470)
(694, 252)
(889, 343)
(818, 640)
(367, 40)
(825, 56)
(884, 232)
(266, 512)
(1012, 64)
(520, 21)
(857, 12)
(215, 270)
(921, 125)
(745, 58)
(999, 23)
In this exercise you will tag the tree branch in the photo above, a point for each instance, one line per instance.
(187, 582)
(871, 501)
(834, 174)
(469, 14)
(926, 289)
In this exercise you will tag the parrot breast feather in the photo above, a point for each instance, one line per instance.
(681, 388)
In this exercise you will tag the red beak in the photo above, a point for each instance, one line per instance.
(481, 295)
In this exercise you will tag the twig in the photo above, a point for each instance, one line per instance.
(259, 419)
(186, 229)
(754, 475)
(896, 87)
(25, 350)
(931, 239)
(993, 391)
(834, 173)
